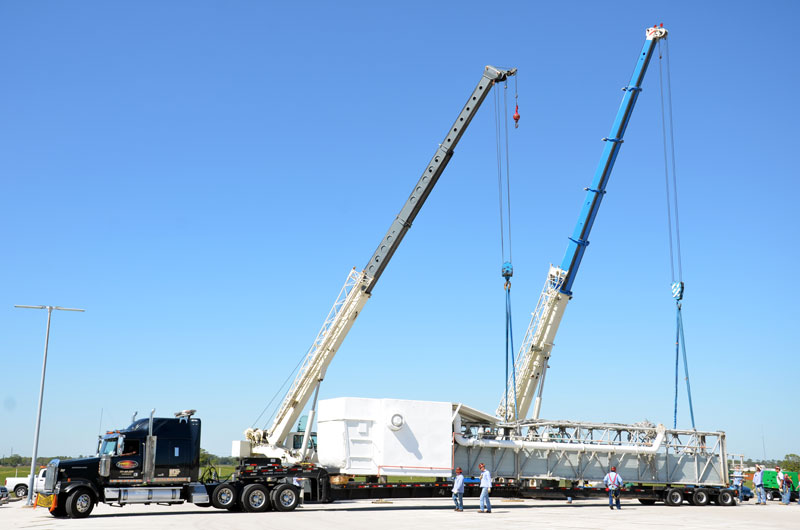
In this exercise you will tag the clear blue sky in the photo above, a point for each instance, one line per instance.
(201, 176)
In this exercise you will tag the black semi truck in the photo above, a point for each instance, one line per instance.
(157, 461)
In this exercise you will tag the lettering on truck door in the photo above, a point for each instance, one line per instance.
(127, 467)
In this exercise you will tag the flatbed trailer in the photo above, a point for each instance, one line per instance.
(645, 494)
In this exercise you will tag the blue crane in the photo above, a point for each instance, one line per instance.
(531, 364)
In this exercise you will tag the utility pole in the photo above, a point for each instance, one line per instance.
(32, 477)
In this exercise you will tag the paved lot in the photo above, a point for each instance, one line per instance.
(417, 513)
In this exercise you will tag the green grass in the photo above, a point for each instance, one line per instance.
(223, 472)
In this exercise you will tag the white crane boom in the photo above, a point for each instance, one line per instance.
(358, 287)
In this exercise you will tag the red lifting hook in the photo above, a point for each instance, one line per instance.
(516, 117)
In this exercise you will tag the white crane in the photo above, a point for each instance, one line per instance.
(358, 288)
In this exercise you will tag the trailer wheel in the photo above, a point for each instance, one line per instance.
(80, 503)
(21, 491)
(770, 496)
(701, 497)
(647, 502)
(255, 498)
(726, 498)
(225, 496)
(674, 497)
(285, 497)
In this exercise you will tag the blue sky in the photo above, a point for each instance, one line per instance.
(201, 176)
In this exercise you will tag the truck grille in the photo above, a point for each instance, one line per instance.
(51, 476)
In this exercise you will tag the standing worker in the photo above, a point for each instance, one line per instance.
(787, 489)
(613, 484)
(758, 484)
(738, 484)
(486, 488)
(298, 482)
(458, 490)
(779, 479)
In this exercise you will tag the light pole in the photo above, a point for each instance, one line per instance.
(32, 476)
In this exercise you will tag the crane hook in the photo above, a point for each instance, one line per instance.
(516, 117)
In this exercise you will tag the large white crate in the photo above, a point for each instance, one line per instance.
(395, 437)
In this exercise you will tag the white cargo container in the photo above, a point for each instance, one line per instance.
(394, 437)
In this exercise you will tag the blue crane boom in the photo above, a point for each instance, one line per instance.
(594, 194)
(531, 363)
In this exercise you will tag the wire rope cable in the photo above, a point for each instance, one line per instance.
(277, 393)
(675, 256)
(666, 164)
(498, 151)
(674, 169)
(502, 150)
(508, 168)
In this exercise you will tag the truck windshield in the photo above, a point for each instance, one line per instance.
(109, 446)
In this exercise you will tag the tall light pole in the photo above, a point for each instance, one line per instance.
(32, 477)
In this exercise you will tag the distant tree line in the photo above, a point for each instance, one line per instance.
(209, 459)
(25, 461)
(790, 462)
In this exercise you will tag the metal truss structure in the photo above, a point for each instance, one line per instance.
(536, 450)
(531, 363)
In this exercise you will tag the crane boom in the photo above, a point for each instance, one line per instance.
(531, 363)
(358, 286)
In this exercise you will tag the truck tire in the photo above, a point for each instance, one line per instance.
(21, 491)
(255, 498)
(285, 497)
(225, 496)
(673, 497)
(647, 502)
(770, 496)
(726, 498)
(701, 497)
(80, 503)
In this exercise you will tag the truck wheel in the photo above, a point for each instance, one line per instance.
(225, 496)
(726, 498)
(285, 497)
(770, 496)
(701, 497)
(80, 503)
(647, 502)
(674, 497)
(255, 498)
(21, 491)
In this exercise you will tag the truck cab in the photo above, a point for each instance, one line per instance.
(152, 460)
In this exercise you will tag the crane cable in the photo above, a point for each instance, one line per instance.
(504, 201)
(672, 207)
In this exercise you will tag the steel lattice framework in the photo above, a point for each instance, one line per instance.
(538, 450)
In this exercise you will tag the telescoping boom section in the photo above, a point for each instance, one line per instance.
(359, 285)
(531, 363)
